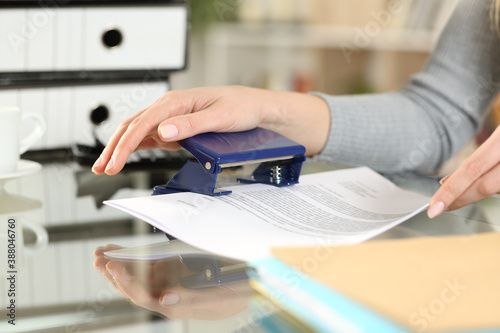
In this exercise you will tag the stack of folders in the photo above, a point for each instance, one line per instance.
(439, 284)
(86, 65)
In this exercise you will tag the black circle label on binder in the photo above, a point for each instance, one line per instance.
(112, 38)
(99, 114)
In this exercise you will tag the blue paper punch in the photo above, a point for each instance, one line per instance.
(279, 158)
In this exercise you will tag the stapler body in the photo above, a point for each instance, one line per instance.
(279, 160)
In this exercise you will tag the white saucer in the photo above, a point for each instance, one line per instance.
(24, 168)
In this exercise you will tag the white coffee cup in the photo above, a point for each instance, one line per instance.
(11, 145)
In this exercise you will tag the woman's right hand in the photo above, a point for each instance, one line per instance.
(156, 286)
(184, 113)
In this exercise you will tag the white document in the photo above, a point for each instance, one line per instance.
(336, 207)
(156, 251)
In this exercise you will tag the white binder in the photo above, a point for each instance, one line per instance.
(120, 37)
(68, 109)
(152, 37)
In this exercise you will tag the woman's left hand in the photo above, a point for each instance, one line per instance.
(477, 178)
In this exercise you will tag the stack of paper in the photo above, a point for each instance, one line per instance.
(156, 251)
(330, 208)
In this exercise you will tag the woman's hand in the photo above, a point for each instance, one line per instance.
(156, 287)
(477, 178)
(181, 114)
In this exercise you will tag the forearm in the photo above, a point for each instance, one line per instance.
(300, 117)
(394, 132)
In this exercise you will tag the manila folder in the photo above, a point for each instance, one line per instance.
(431, 284)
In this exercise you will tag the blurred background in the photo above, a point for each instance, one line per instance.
(334, 46)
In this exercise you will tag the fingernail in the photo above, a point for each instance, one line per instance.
(435, 209)
(97, 163)
(110, 165)
(445, 178)
(169, 131)
(170, 299)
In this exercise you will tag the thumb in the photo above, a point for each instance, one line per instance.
(185, 126)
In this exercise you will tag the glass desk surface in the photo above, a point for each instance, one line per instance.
(59, 286)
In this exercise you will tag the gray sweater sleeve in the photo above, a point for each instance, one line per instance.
(422, 126)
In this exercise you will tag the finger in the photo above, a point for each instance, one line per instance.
(111, 247)
(177, 303)
(169, 146)
(185, 126)
(101, 261)
(133, 291)
(484, 187)
(154, 142)
(99, 166)
(99, 251)
(206, 303)
(100, 264)
(140, 126)
(213, 119)
(182, 297)
(480, 162)
(205, 296)
(444, 179)
(136, 131)
(149, 142)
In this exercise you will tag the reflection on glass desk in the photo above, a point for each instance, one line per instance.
(62, 286)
